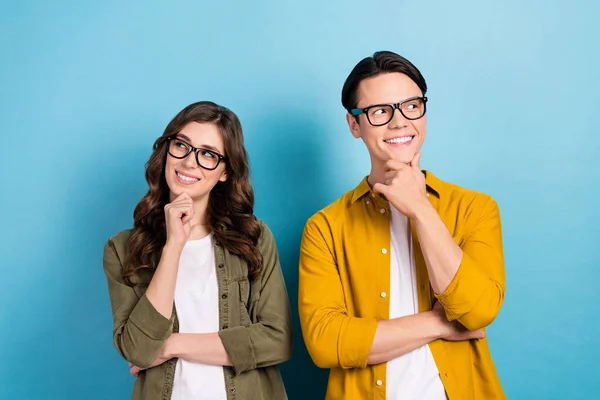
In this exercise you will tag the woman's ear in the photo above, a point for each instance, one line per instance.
(223, 176)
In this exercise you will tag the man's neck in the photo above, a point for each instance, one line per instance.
(377, 174)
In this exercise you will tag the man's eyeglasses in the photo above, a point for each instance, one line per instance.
(381, 114)
(207, 159)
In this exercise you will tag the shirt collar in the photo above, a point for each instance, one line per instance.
(432, 182)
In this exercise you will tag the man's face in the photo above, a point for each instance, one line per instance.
(401, 138)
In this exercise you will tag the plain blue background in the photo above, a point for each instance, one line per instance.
(86, 88)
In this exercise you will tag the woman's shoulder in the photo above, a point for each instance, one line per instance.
(265, 231)
(120, 238)
(118, 243)
(266, 240)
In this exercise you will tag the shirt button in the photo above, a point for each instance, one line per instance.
(427, 194)
(382, 211)
(379, 382)
(383, 294)
(224, 326)
(224, 296)
(368, 201)
(384, 251)
(220, 265)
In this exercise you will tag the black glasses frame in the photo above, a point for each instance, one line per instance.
(196, 150)
(398, 106)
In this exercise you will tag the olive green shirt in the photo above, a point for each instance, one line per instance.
(254, 317)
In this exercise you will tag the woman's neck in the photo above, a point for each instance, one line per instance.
(199, 224)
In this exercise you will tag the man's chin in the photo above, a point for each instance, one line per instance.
(398, 156)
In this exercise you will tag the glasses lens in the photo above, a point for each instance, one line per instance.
(413, 109)
(380, 115)
(207, 159)
(178, 149)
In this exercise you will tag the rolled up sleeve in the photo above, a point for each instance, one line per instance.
(476, 293)
(139, 330)
(268, 341)
(333, 338)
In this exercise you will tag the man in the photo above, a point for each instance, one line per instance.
(399, 277)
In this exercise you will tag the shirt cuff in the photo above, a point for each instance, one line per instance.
(464, 291)
(238, 346)
(356, 339)
(149, 321)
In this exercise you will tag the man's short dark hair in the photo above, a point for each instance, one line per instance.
(382, 62)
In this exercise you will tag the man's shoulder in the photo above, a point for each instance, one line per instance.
(333, 212)
(456, 194)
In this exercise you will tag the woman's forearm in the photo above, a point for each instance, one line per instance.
(204, 348)
(161, 290)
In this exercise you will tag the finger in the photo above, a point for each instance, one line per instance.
(379, 188)
(187, 213)
(478, 334)
(415, 162)
(178, 214)
(468, 335)
(182, 196)
(391, 174)
(181, 207)
(394, 165)
(180, 210)
(186, 218)
(181, 202)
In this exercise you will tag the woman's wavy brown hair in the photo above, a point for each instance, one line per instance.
(230, 204)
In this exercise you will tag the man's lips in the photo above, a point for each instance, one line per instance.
(400, 139)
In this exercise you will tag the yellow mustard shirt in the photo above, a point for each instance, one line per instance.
(345, 266)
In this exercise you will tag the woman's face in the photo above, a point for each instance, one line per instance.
(185, 175)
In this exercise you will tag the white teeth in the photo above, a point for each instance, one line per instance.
(186, 178)
(403, 139)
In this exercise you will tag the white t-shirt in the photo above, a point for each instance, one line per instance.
(413, 375)
(197, 303)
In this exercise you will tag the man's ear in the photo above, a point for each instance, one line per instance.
(353, 125)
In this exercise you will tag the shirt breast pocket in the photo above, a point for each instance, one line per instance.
(249, 295)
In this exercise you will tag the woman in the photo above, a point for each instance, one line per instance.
(199, 303)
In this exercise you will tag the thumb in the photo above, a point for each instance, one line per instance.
(380, 188)
(478, 334)
(415, 162)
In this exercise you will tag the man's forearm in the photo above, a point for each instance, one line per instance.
(442, 255)
(399, 336)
